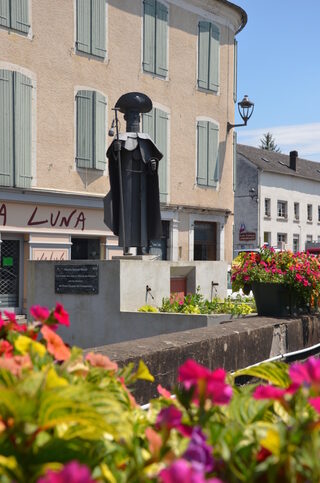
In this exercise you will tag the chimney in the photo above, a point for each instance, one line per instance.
(293, 160)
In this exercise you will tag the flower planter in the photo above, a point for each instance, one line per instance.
(277, 300)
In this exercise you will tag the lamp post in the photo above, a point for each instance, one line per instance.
(245, 108)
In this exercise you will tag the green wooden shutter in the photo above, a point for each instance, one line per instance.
(22, 130)
(149, 33)
(214, 59)
(213, 154)
(100, 131)
(161, 140)
(202, 152)
(83, 42)
(98, 28)
(84, 155)
(234, 178)
(148, 124)
(161, 39)
(203, 54)
(5, 13)
(235, 70)
(20, 15)
(6, 128)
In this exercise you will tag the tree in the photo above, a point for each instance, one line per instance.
(268, 143)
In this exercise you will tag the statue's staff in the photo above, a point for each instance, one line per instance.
(117, 149)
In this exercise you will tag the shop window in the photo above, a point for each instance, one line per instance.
(85, 249)
(205, 241)
(296, 243)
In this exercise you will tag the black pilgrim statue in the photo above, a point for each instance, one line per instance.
(132, 206)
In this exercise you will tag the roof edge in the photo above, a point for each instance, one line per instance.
(241, 11)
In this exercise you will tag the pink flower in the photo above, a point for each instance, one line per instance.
(11, 316)
(73, 472)
(170, 418)
(315, 403)
(6, 349)
(39, 313)
(183, 472)
(307, 373)
(208, 384)
(99, 360)
(16, 364)
(163, 392)
(61, 315)
(269, 392)
(2, 323)
(55, 345)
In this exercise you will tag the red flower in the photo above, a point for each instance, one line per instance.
(61, 315)
(11, 316)
(39, 313)
(6, 349)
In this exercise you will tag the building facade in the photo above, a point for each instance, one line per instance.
(63, 65)
(277, 200)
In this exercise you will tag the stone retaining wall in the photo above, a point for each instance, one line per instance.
(232, 345)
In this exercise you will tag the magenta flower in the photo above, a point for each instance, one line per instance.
(315, 403)
(170, 418)
(269, 392)
(182, 472)
(307, 374)
(199, 453)
(208, 384)
(39, 313)
(73, 472)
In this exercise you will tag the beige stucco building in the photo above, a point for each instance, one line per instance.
(53, 55)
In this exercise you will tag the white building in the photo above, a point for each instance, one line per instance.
(277, 200)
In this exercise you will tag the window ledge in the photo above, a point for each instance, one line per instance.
(296, 220)
(309, 222)
(208, 91)
(282, 218)
(267, 217)
(154, 75)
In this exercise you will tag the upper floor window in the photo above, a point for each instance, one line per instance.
(15, 129)
(207, 153)
(267, 207)
(91, 27)
(309, 212)
(208, 56)
(296, 211)
(155, 123)
(14, 14)
(91, 130)
(235, 70)
(282, 209)
(155, 34)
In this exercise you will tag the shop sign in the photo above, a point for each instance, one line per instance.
(43, 254)
(247, 236)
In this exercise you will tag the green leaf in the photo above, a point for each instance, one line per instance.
(274, 372)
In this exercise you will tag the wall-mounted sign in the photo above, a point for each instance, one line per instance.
(77, 279)
(247, 236)
(7, 261)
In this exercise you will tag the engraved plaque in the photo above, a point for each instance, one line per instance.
(77, 279)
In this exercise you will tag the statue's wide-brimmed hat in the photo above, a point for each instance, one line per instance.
(134, 101)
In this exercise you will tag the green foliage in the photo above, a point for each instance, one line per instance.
(196, 304)
(148, 308)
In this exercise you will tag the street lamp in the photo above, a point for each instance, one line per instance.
(245, 108)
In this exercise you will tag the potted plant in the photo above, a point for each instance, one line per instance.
(283, 283)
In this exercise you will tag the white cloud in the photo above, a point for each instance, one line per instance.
(304, 138)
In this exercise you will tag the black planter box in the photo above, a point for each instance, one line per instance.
(277, 300)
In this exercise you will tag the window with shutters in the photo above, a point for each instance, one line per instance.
(208, 56)
(91, 27)
(15, 129)
(207, 153)
(155, 37)
(155, 123)
(14, 14)
(91, 130)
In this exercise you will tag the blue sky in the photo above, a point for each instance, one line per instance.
(279, 68)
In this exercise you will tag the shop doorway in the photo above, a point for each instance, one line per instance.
(10, 275)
